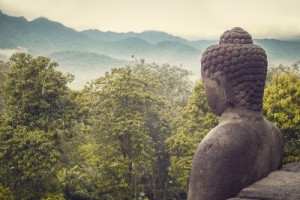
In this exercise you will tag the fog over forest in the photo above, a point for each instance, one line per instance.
(90, 53)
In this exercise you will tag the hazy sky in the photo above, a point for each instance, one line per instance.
(192, 19)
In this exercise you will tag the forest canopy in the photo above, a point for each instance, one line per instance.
(130, 134)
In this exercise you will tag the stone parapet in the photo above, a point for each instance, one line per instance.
(279, 185)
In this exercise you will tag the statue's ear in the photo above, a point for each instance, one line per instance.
(220, 78)
(227, 88)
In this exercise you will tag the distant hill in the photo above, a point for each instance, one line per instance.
(85, 65)
(279, 51)
(127, 47)
(170, 51)
(153, 37)
(85, 59)
(40, 36)
(97, 51)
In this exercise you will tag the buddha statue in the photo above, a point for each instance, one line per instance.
(244, 147)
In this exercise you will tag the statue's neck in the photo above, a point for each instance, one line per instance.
(240, 114)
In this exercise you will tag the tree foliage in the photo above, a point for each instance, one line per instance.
(3, 69)
(54, 197)
(282, 106)
(38, 111)
(172, 82)
(36, 95)
(126, 143)
(129, 113)
(29, 159)
(193, 123)
(5, 193)
(130, 134)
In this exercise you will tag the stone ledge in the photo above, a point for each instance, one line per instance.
(279, 185)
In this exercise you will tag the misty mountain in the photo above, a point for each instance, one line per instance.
(174, 52)
(202, 44)
(127, 47)
(152, 37)
(85, 59)
(287, 52)
(43, 37)
(85, 66)
(40, 36)
(94, 51)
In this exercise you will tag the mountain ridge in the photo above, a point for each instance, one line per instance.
(43, 36)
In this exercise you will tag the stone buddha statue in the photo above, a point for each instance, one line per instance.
(244, 147)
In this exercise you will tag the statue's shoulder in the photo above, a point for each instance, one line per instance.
(272, 127)
(229, 134)
(222, 162)
(229, 147)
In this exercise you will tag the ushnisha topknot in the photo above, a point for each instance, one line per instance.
(243, 64)
(236, 35)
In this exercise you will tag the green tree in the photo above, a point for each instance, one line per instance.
(3, 69)
(36, 95)
(28, 161)
(173, 83)
(5, 193)
(135, 131)
(54, 197)
(39, 110)
(282, 107)
(129, 113)
(193, 123)
(273, 71)
(124, 151)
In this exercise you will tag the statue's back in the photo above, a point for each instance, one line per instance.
(244, 147)
(234, 155)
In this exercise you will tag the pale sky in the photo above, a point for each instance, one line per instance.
(191, 19)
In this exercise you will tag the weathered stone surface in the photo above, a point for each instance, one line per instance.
(242, 63)
(279, 185)
(237, 198)
(244, 147)
(293, 167)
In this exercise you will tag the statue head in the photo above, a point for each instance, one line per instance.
(234, 72)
